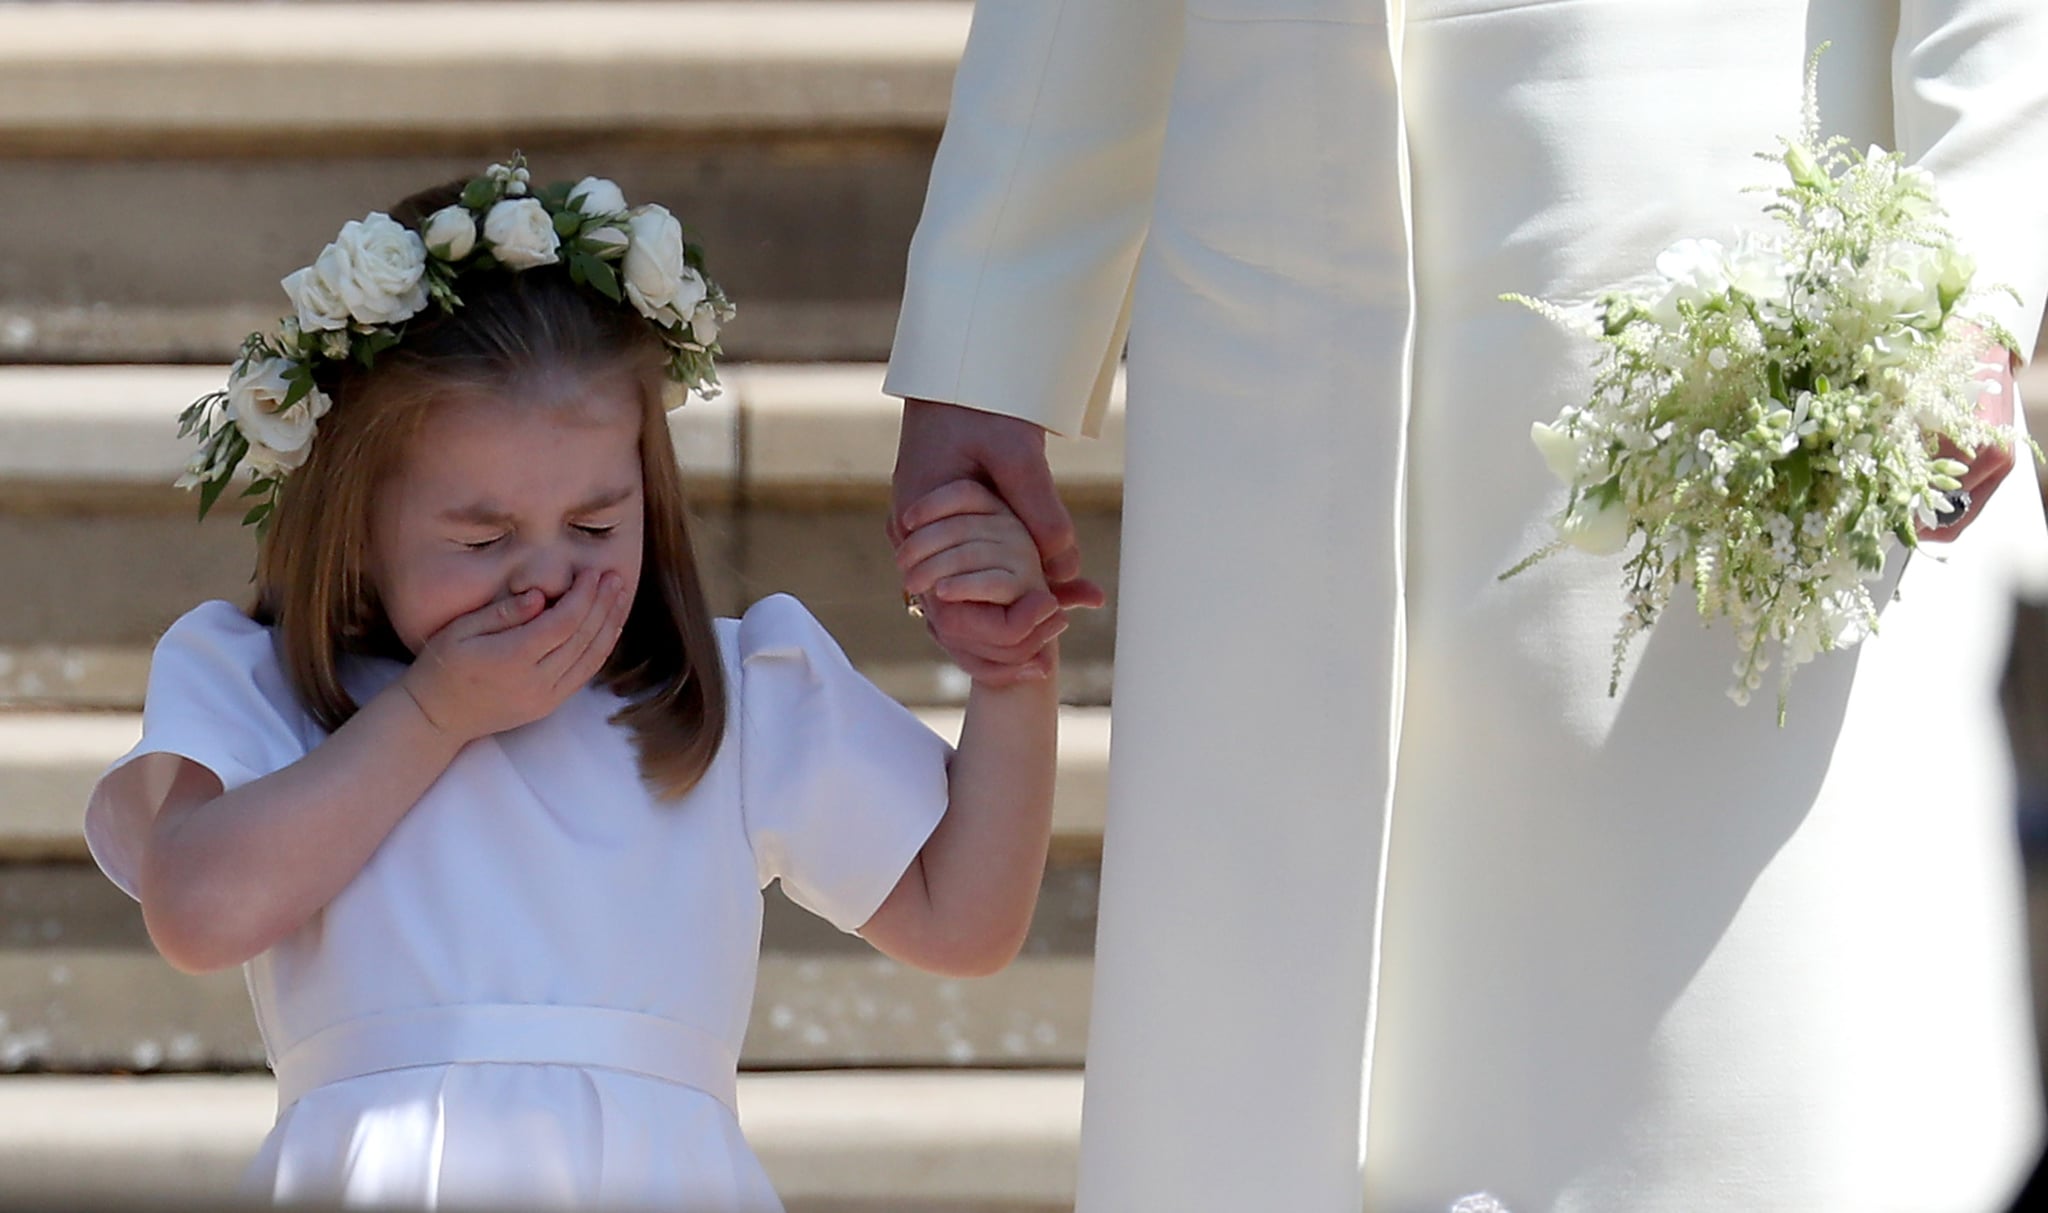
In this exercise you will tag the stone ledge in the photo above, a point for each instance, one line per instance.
(117, 77)
(778, 433)
(830, 1141)
(50, 760)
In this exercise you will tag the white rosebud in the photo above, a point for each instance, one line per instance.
(520, 233)
(279, 438)
(335, 344)
(1560, 451)
(658, 281)
(609, 243)
(597, 196)
(704, 323)
(450, 233)
(1602, 530)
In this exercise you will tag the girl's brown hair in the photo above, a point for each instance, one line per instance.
(313, 582)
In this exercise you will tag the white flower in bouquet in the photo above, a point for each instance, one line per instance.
(1767, 418)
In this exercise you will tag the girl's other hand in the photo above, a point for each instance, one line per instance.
(963, 545)
(518, 659)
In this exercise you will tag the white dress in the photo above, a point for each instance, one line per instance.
(534, 993)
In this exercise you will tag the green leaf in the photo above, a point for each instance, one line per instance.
(256, 515)
(302, 385)
(209, 493)
(479, 193)
(555, 196)
(598, 274)
(567, 223)
(1798, 471)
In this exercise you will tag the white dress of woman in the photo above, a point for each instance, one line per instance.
(1398, 904)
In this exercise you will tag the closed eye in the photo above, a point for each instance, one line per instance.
(598, 532)
(478, 545)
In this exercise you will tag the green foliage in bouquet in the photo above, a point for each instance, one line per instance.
(1768, 417)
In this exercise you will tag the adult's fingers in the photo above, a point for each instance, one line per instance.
(1079, 593)
(1024, 481)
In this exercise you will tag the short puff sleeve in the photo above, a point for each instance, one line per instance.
(218, 696)
(839, 784)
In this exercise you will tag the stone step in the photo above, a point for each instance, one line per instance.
(847, 1142)
(50, 760)
(789, 471)
(81, 989)
(202, 151)
(141, 78)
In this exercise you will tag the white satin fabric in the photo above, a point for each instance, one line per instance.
(1398, 904)
(535, 992)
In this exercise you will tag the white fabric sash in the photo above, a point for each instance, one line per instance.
(596, 1037)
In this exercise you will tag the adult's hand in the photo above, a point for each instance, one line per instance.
(944, 442)
(1989, 467)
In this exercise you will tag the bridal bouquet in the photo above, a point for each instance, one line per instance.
(1767, 417)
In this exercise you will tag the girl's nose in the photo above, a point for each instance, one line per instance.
(544, 569)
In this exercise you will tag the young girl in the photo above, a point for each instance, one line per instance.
(478, 793)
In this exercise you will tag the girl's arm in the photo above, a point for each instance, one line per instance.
(964, 905)
(225, 875)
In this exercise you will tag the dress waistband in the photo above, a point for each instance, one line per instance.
(597, 1037)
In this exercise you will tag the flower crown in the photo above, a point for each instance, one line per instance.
(354, 301)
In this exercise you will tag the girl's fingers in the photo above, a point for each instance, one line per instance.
(998, 586)
(600, 599)
(954, 627)
(504, 615)
(954, 497)
(599, 651)
(976, 557)
(929, 540)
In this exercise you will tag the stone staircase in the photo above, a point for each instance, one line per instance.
(186, 156)
(162, 165)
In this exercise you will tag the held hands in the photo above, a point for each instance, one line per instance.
(518, 659)
(965, 547)
(1989, 466)
(944, 443)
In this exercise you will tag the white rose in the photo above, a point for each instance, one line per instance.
(520, 233)
(657, 279)
(598, 196)
(1602, 530)
(319, 305)
(450, 233)
(279, 438)
(1560, 451)
(377, 266)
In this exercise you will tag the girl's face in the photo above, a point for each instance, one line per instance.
(494, 498)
